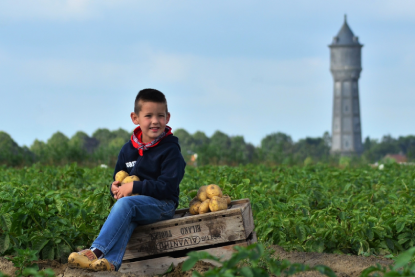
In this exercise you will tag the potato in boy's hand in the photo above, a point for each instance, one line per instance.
(121, 175)
(124, 178)
(128, 179)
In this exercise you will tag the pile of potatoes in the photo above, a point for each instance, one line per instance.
(209, 199)
(123, 177)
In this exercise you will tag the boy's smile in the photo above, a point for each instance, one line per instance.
(152, 119)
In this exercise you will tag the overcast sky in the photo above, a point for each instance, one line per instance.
(246, 68)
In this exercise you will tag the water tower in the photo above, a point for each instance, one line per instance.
(345, 66)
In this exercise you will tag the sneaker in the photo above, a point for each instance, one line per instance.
(82, 259)
(102, 265)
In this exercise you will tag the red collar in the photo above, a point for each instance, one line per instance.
(136, 139)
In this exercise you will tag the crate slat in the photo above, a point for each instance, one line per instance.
(187, 231)
(160, 265)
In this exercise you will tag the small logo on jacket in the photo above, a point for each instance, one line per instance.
(130, 164)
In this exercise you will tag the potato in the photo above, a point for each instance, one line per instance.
(121, 175)
(228, 199)
(194, 200)
(194, 209)
(131, 178)
(201, 193)
(217, 204)
(204, 207)
(213, 190)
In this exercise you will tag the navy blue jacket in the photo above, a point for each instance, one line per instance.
(160, 169)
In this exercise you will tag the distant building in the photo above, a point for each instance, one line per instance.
(345, 66)
(399, 158)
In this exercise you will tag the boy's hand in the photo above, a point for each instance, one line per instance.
(124, 190)
(114, 187)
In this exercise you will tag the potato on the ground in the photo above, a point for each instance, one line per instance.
(217, 204)
(121, 175)
(194, 208)
(201, 193)
(129, 179)
(204, 207)
(213, 190)
(228, 199)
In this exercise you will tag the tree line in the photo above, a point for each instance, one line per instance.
(219, 149)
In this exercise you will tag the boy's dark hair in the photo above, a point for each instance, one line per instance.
(149, 95)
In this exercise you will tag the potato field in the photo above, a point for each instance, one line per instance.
(359, 211)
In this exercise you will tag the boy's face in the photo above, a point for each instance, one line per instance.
(152, 119)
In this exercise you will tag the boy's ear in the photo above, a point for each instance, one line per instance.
(134, 118)
(167, 118)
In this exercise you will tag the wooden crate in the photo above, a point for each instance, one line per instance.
(153, 248)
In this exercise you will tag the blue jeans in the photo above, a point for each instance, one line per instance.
(126, 214)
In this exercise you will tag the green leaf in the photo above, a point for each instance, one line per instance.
(196, 274)
(390, 244)
(318, 246)
(48, 252)
(399, 226)
(38, 243)
(301, 233)
(62, 252)
(189, 263)
(5, 222)
(369, 233)
(246, 271)
(404, 258)
(267, 231)
(325, 270)
(402, 241)
(170, 269)
(4, 243)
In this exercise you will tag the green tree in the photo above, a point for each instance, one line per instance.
(375, 151)
(200, 145)
(104, 136)
(58, 149)
(10, 152)
(40, 151)
(186, 143)
(122, 134)
(315, 148)
(219, 148)
(109, 145)
(240, 152)
(407, 146)
(277, 148)
(81, 146)
(200, 138)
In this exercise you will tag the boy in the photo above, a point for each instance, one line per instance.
(153, 154)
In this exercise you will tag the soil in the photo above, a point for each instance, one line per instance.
(342, 265)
